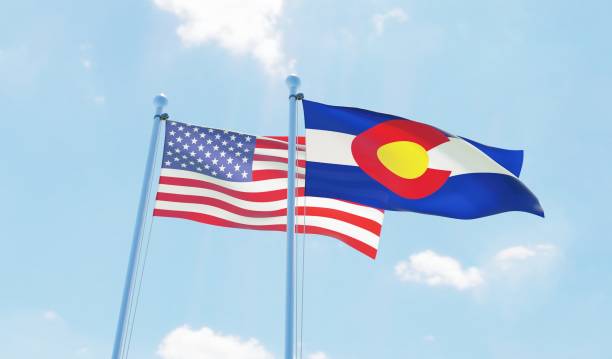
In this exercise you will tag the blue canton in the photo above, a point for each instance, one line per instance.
(217, 153)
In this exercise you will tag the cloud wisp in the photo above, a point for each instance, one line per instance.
(432, 269)
(380, 20)
(242, 27)
(436, 270)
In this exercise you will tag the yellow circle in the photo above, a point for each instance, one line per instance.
(406, 159)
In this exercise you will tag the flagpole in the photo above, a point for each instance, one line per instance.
(160, 101)
(293, 82)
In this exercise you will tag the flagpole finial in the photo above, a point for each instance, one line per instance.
(160, 101)
(293, 81)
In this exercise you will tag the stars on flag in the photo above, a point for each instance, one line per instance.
(222, 154)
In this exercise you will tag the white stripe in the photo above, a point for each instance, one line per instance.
(330, 147)
(268, 165)
(256, 186)
(218, 212)
(348, 229)
(278, 153)
(361, 211)
(332, 224)
(461, 157)
(456, 155)
(358, 210)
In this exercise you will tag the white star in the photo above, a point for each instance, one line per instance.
(231, 149)
(222, 168)
(237, 154)
(246, 150)
(170, 143)
(191, 163)
(210, 130)
(206, 166)
(225, 131)
(229, 175)
(168, 163)
(196, 129)
(199, 169)
(192, 154)
(169, 153)
(184, 157)
(222, 153)
(233, 138)
(216, 148)
(199, 160)
(181, 128)
(202, 135)
(224, 143)
(217, 136)
(248, 139)
(173, 123)
(244, 174)
(236, 168)
(208, 142)
(179, 140)
(214, 161)
(239, 145)
(207, 154)
(176, 159)
(171, 133)
(194, 141)
(183, 165)
(214, 173)
(230, 160)
(200, 148)
(186, 147)
(187, 134)
(177, 150)
(244, 159)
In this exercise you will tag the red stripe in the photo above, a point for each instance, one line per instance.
(260, 175)
(258, 157)
(352, 242)
(266, 196)
(301, 140)
(362, 222)
(350, 218)
(265, 143)
(203, 218)
(248, 196)
(183, 198)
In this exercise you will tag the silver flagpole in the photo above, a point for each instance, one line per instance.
(293, 82)
(160, 101)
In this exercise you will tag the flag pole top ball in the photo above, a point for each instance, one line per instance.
(293, 81)
(160, 101)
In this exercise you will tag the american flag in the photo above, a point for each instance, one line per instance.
(231, 179)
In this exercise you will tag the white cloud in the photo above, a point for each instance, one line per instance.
(435, 270)
(507, 257)
(318, 355)
(51, 315)
(86, 64)
(186, 343)
(242, 27)
(99, 100)
(379, 20)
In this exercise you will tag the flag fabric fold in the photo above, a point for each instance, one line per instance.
(231, 179)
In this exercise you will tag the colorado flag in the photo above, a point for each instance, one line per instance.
(392, 163)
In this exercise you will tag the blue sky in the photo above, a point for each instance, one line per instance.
(77, 80)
